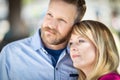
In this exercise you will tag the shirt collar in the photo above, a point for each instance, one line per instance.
(36, 41)
(68, 49)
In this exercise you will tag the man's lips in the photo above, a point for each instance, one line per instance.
(50, 31)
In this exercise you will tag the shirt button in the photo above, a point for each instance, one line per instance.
(56, 68)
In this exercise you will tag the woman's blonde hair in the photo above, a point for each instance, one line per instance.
(107, 59)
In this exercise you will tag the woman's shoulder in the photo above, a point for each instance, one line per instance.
(110, 76)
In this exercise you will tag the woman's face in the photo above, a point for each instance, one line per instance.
(82, 52)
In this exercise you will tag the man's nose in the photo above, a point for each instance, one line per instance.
(53, 24)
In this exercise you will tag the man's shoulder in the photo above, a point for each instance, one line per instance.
(18, 44)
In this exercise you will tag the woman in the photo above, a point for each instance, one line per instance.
(93, 51)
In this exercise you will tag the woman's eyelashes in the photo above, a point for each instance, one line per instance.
(70, 43)
(78, 42)
(81, 40)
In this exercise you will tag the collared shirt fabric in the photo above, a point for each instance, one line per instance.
(27, 59)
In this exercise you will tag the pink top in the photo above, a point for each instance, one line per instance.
(110, 76)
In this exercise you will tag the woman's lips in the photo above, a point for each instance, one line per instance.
(75, 56)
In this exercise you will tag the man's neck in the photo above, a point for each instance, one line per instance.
(56, 47)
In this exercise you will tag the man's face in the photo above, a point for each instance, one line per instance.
(58, 22)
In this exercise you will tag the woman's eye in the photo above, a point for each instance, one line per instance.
(81, 41)
(70, 43)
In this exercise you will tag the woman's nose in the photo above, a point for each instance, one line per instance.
(74, 48)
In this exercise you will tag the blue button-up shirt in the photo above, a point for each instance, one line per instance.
(27, 59)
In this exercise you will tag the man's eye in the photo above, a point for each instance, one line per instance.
(62, 20)
(49, 14)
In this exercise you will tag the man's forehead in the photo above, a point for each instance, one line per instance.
(64, 9)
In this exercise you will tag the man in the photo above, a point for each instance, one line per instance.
(44, 56)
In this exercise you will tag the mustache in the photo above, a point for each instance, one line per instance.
(51, 30)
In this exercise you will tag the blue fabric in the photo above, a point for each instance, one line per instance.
(54, 54)
(27, 59)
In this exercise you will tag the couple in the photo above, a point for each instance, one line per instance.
(44, 56)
